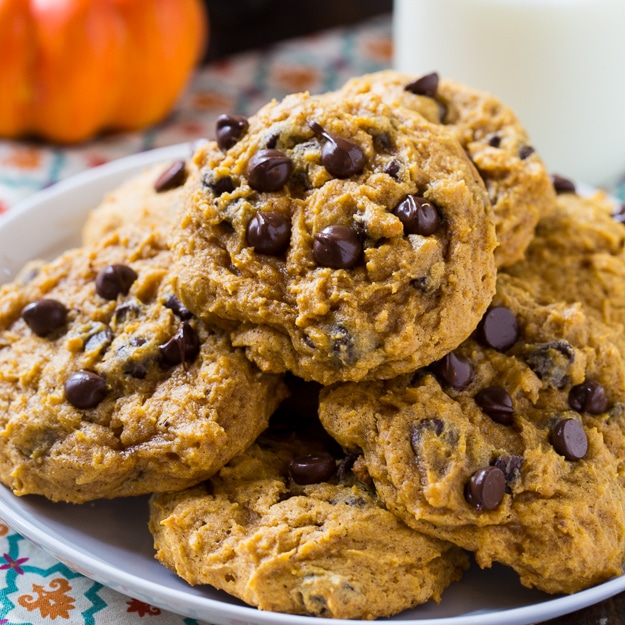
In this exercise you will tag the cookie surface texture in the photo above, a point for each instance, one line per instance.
(309, 239)
(517, 180)
(578, 255)
(109, 387)
(147, 200)
(509, 448)
(326, 549)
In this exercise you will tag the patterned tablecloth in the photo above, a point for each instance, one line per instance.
(35, 588)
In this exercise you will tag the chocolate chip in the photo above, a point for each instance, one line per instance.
(134, 361)
(269, 233)
(44, 316)
(174, 176)
(423, 283)
(125, 310)
(382, 142)
(392, 168)
(511, 467)
(183, 347)
(136, 369)
(498, 328)
(454, 370)
(343, 348)
(338, 247)
(360, 228)
(85, 389)
(486, 488)
(418, 215)
(114, 280)
(219, 186)
(496, 403)
(299, 183)
(494, 141)
(562, 185)
(619, 214)
(569, 439)
(526, 151)
(342, 158)
(345, 465)
(272, 141)
(426, 85)
(589, 396)
(177, 307)
(550, 361)
(234, 270)
(312, 469)
(434, 425)
(268, 170)
(229, 129)
(99, 341)
(442, 111)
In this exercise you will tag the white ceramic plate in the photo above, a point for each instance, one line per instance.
(109, 542)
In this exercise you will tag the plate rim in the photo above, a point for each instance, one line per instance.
(171, 599)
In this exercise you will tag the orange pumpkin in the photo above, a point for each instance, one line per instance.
(72, 68)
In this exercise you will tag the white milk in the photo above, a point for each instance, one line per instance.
(560, 64)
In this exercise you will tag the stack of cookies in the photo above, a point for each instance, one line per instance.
(358, 340)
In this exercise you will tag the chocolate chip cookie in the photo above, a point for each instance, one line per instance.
(517, 181)
(287, 527)
(337, 238)
(511, 446)
(110, 387)
(578, 254)
(149, 199)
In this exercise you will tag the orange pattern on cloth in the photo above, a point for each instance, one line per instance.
(142, 608)
(380, 48)
(51, 603)
(24, 157)
(297, 77)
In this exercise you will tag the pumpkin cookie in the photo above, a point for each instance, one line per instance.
(516, 179)
(511, 446)
(336, 238)
(148, 200)
(110, 387)
(578, 254)
(288, 528)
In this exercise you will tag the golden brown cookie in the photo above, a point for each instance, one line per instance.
(578, 254)
(110, 387)
(517, 181)
(336, 238)
(288, 528)
(147, 200)
(511, 446)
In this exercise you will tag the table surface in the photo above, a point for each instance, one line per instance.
(238, 83)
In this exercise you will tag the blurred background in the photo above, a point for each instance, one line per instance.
(240, 25)
(256, 50)
(553, 62)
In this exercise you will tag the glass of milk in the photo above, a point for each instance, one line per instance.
(559, 64)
